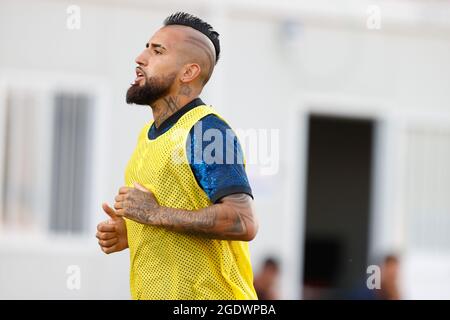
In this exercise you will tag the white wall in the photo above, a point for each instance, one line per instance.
(260, 82)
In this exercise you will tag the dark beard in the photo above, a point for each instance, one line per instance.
(153, 89)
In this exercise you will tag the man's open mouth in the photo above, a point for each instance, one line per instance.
(139, 76)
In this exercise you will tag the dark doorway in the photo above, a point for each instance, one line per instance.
(337, 206)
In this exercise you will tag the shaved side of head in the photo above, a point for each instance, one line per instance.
(200, 43)
(195, 47)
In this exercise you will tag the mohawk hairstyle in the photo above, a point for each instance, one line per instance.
(189, 20)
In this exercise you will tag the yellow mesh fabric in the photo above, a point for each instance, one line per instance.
(170, 265)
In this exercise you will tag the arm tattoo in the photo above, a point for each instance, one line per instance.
(230, 219)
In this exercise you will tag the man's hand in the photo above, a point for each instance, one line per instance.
(138, 204)
(112, 233)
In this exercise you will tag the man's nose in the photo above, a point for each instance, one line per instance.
(141, 60)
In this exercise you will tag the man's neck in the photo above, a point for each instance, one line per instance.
(168, 105)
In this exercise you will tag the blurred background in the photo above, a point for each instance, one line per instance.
(350, 101)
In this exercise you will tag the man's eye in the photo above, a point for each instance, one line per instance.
(157, 52)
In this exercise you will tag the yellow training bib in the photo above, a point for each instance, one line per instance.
(171, 265)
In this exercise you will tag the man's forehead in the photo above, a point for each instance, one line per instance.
(161, 38)
(168, 35)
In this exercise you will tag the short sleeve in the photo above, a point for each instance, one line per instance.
(216, 159)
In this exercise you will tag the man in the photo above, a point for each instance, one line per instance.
(266, 281)
(389, 279)
(186, 219)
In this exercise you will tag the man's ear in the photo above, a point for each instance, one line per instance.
(191, 72)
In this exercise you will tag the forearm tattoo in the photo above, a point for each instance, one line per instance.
(228, 220)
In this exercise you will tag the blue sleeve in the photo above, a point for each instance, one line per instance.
(216, 159)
